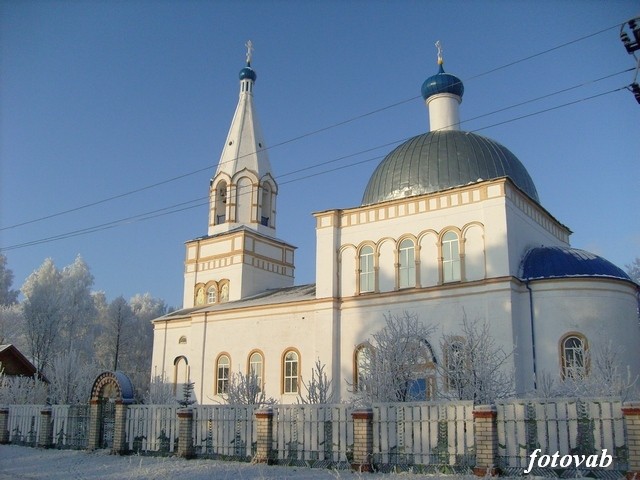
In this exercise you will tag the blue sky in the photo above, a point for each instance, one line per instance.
(101, 98)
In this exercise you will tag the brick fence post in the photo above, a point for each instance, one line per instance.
(264, 427)
(486, 440)
(631, 414)
(120, 429)
(362, 440)
(45, 436)
(93, 442)
(185, 433)
(4, 425)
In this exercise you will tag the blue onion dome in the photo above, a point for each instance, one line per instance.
(442, 82)
(567, 262)
(248, 72)
(441, 160)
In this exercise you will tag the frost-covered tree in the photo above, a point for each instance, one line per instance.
(633, 269)
(603, 375)
(319, 388)
(8, 296)
(79, 310)
(394, 364)
(475, 367)
(20, 390)
(138, 359)
(11, 321)
(116, 334)
(160, 392)
(246, 390)
(43, 313)
(70, 379)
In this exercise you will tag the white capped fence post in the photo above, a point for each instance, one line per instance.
(264, 447)
(45, 437)
(4, 425)
(486, 440)
(631, 414)
(362, 440)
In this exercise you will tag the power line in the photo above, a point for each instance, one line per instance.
(294, 139)
(204, 200)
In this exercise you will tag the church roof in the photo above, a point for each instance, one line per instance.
(563, 262)
(271, 296)
(440, 160)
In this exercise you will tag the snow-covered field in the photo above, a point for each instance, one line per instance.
(17, 463)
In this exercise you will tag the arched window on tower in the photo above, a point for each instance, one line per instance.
(265, 216)
(451, 271)
(212, 294)
(406, 264)
(220, 206)
(244, 194)
(367, 273)
(575, 357)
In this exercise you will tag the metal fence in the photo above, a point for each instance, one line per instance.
(152, 429)
(313, 435)
(428, 437)
(70, 426)
(568, 426)
(224, 432)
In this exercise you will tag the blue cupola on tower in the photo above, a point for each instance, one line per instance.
(248, 73)
(442, 82)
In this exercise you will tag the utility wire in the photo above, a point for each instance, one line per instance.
(185, 205)
(294, 139)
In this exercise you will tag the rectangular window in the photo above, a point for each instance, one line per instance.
(367, 277)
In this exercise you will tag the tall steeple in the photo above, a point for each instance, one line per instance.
(442, 93)
(240, 256)
(243, 190)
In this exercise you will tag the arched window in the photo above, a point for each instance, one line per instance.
(450, 258)
(406, 264)
(244, 202)
(255, 368)
(180, 374)
(291, 372)
(221, 203)
(575, 359)
(199, 295)
(212, 294)
(222, 374)
(265, 218)
(362, 366)
(455, 363)
(367, 275)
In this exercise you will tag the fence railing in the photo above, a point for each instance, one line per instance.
(568, 426)
(421, 436)
(431, 434)
(313, 435)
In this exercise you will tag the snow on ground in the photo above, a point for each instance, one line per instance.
(21, 463)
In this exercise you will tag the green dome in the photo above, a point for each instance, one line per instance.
(441, 160)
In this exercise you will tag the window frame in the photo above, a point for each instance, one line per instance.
(407, 264)
(366, 278)
(250, 363)
(573, 372)
(451, 262)
(290, 380)
(222, 382)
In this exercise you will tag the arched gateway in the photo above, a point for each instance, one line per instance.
(110, 394)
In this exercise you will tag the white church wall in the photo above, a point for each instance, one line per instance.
(387, 265)
(429, 259)
(602, 310)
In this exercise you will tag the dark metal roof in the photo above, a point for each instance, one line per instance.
(559, 262)
(440, 160)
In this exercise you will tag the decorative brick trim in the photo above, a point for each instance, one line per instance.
(4, 425)
(631, 415)
(45, 436)
(362, 440)
(264, 428)
(185, 433)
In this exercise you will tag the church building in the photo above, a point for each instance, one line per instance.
(450, 226)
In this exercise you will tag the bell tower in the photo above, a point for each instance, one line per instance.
(240, 256)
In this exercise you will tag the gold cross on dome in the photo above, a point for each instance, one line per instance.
(249, 46)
